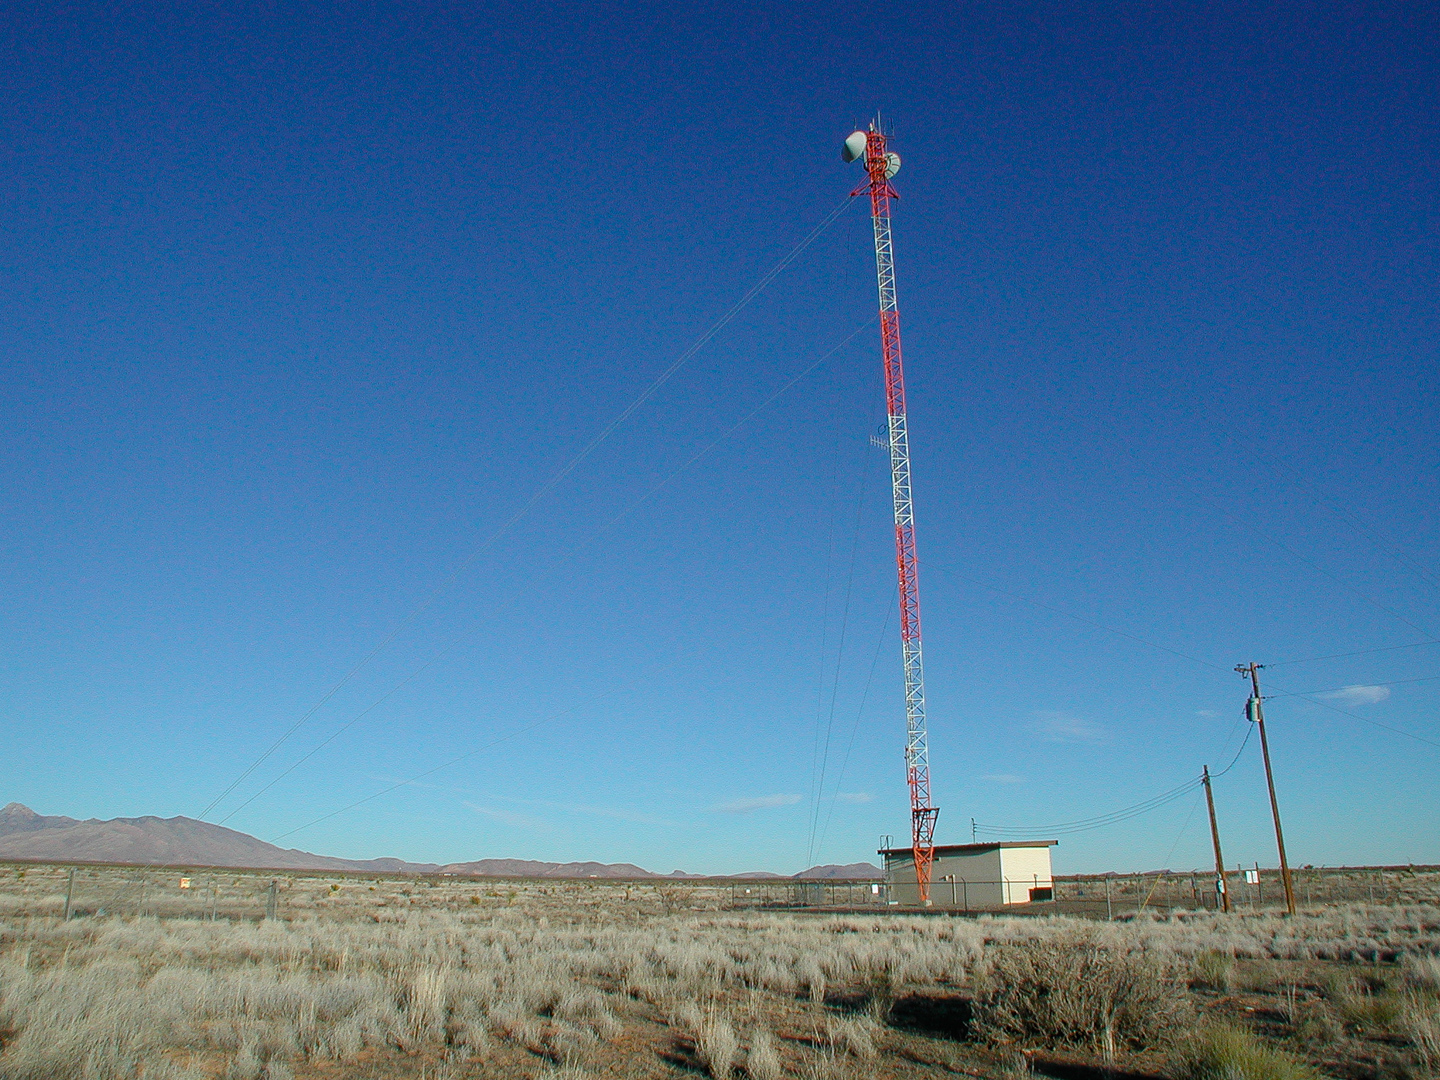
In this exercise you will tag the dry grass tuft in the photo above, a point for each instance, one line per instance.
(1214, 969)
(858, 1036)
(1362, 1007)
(763, 1060)
(1224, 1053)
(717, 1047)
(1422, 972)
(1419, 1021)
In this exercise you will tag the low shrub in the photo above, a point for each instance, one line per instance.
(1078, 990)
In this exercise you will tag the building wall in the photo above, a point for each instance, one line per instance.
(983, 880)
(1025, 869)
(977, 879)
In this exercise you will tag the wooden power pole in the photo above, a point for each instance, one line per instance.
(1255, 710)
(1221, 889)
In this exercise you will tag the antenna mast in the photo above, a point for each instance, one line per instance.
(880, 166)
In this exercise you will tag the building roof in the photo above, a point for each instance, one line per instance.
(972, 849)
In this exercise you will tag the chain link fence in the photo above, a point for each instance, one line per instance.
(84, 891)
(1118, 896)
(89, 891)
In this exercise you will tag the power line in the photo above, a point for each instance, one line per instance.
(1426, 575)
(1164, 863)
(690, 461)
(1249, 729)
(1099, 821)
(736, 426)
(539, 494)
(1358, 652)
(855, 727)
(839, 661)
(462, 757)
(1197, 660)
(1353, 686)
(1363, 719)
(814, 796)
(1072, 615)
(342, 729)
(1317, 568)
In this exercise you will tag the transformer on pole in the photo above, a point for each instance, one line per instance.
(880, 166)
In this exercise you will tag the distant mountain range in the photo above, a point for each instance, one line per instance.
(181, 841)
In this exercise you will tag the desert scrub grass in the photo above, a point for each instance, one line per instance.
(762, 1062)
(1214, 969)
(717, 1047)
(1422, 972)
(1361, 1006)
(1227, 1053)
(857, 1036)
(387, 965)
(1081, 990)
(1419, 1021)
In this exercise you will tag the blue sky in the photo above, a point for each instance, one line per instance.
(300, 304)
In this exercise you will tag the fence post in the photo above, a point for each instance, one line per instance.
(270, 900)
(1109, 914)
(69, 891)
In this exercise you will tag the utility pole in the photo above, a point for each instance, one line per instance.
(1220, 888)
(1255, 711)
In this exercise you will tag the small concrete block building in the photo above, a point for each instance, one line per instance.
(973, 877)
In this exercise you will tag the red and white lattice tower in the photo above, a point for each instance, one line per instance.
(881, 165)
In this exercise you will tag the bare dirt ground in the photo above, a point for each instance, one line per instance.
(450, 978)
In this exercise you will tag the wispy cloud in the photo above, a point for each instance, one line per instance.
(575, 809)
(1004, 778)
(1356, 695)
(758, 802)
(1206, 712)
(1065, 728)
(854, 796)
(504, 815)
(582, 810)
